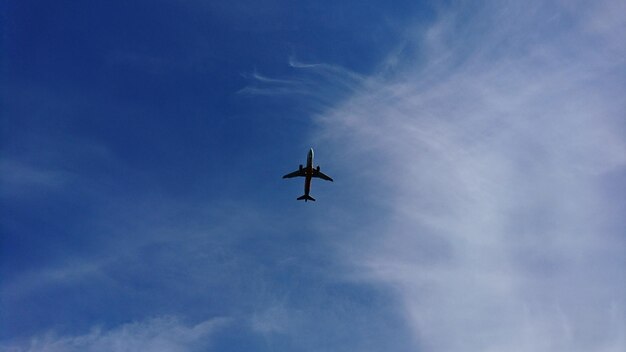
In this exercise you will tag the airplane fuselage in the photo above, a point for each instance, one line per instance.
(308, 172)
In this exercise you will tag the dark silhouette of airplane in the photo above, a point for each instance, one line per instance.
(308, 172)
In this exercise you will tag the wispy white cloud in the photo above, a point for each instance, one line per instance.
(43, 164)
(62, 275)
(19, 178)
(275, 318)
(491, 161)
(162, 334)
(324, 68)
(320, 84)
(261, 78)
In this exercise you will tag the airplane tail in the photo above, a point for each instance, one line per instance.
(306, 197)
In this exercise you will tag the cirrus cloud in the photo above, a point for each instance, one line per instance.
(494, 161)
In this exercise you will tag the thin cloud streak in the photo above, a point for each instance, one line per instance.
(491, 163)
(325, 69)
(167, 334)
(309, 78)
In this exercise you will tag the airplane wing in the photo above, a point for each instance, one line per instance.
(295, 174)
(321, 175)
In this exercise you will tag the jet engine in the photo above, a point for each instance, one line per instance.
(318, 168)
(300, 167)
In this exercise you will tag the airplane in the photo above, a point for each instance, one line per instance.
(308, 172)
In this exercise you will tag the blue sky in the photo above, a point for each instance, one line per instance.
(477, 148)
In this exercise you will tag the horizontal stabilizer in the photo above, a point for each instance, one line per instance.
(306, 197)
